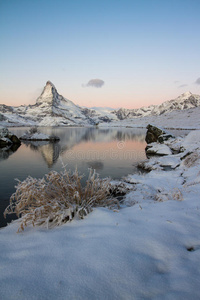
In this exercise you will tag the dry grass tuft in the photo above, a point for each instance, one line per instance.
(174, 194)
(177, 194)
(191, 159)
(57, 198)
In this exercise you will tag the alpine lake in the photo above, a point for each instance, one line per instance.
(112, 152)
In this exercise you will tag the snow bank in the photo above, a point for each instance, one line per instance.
(138, 253)
(183, 119)
(150, 250)
(192, 139)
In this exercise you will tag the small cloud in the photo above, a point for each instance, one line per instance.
(197, 81)
(183, 85)
(176, 81)
(96, 83)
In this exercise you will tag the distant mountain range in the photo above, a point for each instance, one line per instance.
(52, 109)
(184, 101)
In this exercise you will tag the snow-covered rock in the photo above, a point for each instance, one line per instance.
(34, 135)
(169, 176)
(166, 162)
(7, 138)
(156, 134)
(158, 149)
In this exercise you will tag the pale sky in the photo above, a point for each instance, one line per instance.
(116, 53)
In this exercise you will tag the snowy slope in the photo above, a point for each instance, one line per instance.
(176, 119)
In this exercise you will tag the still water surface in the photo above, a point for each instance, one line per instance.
(112, 152)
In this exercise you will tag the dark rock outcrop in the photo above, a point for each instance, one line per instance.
(7, 138)
(155, 138)
(14, 139)
(155, 134)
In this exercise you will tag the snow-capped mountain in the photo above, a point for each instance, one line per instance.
(184, 101)
(52, 109)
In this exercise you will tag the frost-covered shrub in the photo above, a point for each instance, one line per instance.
(57, 198)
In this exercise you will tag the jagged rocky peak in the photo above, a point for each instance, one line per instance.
(185, 95)
(49, 83)
(49, 94)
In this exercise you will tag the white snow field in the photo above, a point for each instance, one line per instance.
(149, 249)
(177, 119)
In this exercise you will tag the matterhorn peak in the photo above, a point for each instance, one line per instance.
(50, 83)
(49, 94)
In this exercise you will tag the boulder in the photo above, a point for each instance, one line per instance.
(155, 134)
(14, 139)
(7, 138)
(164, 137)
(158, 149)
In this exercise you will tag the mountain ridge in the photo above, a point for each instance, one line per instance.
(184, 101)
(52, 109)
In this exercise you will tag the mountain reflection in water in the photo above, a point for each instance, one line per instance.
(50, 151)
(112, 152)
(101, 141)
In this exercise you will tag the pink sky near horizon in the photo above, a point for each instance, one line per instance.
(101, 97)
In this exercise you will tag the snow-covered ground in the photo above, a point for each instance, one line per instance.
(177, 119)
(149, 249)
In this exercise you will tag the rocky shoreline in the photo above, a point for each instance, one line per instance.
(172, 170)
